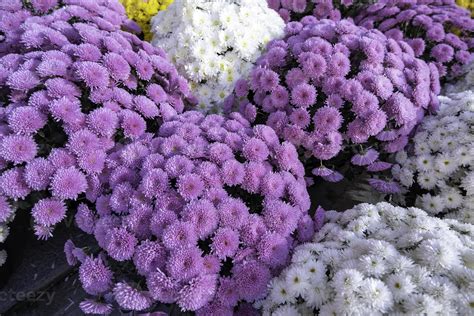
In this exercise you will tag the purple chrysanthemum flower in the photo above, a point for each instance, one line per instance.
(26, 120)
(203, 215)
(378, 166)
(38, 173)
(197, 293)
(22, 80)
(118, 67)
(102, 121)
(190, 186)
(327, 118)
(93, 74)
(387, 187)
(68, 183)
(48, 212)
(120, 244)
(13, 184)
(365, 159)
(185, 263)
(179, 235)
(273, 249)
(85, 218)
(149, 256)
(225, 242)
(95, 276)
(130, 298)
(233, 213)
(18, 148)
(251, 279)
(227, 293)
(162, 287)
(89, 306)
(133, 124)
(303, 95)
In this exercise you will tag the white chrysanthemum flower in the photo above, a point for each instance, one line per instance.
(297, 281)
(376, 295)
(400, 285)
(432, 204)
(372, 265)
(405, 263)
(452, 198)
(214, 43)
(315, 271)
(347, 280)
(316, 295)
(279, 292)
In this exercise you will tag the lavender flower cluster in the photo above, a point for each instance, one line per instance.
(206, 212)
(437, 30)
(338, 91)
(105, 14)
(294, 10)
(69, 92)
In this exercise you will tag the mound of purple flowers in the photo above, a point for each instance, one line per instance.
(338, 92)
(294, 10)
(108, 15)
(437, 30)
(206, 213)
(75, 86)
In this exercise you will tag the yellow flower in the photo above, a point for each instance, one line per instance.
(141, 11)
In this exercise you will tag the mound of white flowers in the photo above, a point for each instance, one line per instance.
(379, 259)
(214, 43)
(441, 161)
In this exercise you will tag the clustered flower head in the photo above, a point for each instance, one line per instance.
(105, 14)
(338, 92)
(214, 43)
(440, 162)
(207, 211)
(141, 11)
(294, 10)
(379, 259)
(437, 30)
(73, 86)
